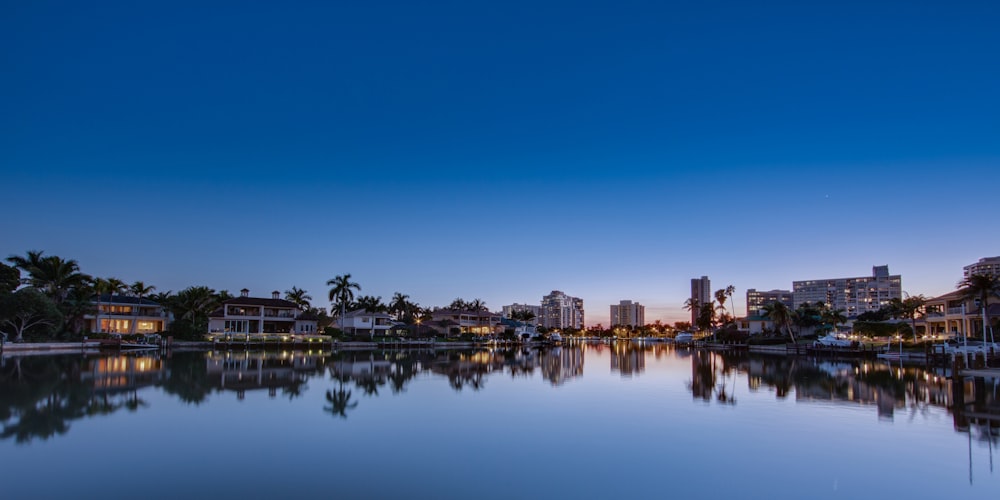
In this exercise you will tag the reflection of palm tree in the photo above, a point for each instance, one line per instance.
(340, 402)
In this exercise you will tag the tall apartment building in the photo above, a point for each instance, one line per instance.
(628, 313)
(515, 307)
(757, 299)
(701, 291)
(561, 311)
(989, 266)
(853, 295)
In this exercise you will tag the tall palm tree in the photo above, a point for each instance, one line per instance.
(981, 287)
(342, 293)
(780, 315)
(194, 304)
(371, 305)
(720, 297)
(908, 308)
(693, 306)
(139, 290)
(833, 317)
(53, 276)
(300, 297)
(730, 290)
(400, 305)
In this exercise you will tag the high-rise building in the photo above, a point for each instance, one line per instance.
(561, 311)
(854, 295)
(989, 266)
(508, 311)
(628, 313)
(701, 291)
(756, 300)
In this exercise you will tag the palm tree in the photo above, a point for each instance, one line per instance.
(833, 318)
(730, 290)
(780, 315)
(193, 305)
(981, 287)
(53, 276)
(342, 293)
(371, 305)
(300, 297)
(693, 306)
(400, 305)
(908, 308)
(720, 297)
(139, 290)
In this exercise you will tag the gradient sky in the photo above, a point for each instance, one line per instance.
(500, 150)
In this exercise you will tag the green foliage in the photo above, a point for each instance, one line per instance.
(10, 278)
(29, 315)
(877, 328)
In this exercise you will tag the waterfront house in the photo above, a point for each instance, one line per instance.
(126, 314)
(361, 322)
(474, 322)
(953, 315)
(250, 315)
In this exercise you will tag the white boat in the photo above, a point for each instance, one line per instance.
(684, 338)
(555, 337)
(831, 340)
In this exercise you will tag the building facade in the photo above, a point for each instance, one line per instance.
(628, 313)
(466, 321)
(757, 299)
(126, 314)
(854, 295)
(701, 292)
(511, 309)
(559, 310)
(245, 315)
(989, 266)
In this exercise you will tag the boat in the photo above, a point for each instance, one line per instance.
(555, 338)
(831, 340)
(684, 338)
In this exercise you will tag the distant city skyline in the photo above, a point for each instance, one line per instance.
(502, 151)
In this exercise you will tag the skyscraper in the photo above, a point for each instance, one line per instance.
(989, 266)
(756, 300)
(628, 313)
(561, 311)
(701, 292)
(853, 295)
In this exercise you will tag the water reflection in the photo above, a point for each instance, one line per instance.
(40, 396)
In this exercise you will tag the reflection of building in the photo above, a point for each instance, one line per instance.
(561, 364)
(561, 311)
(757, 299)
(853, 295)
(118, 312)
(701, 292)
(628, 313)
(246, 315)
(124, 372)
(248, 371)
(627, 359)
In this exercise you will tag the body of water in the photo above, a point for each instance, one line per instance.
(577, 421)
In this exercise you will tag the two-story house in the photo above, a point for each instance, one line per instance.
(251, 315)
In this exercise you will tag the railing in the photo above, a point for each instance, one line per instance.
(954, 310)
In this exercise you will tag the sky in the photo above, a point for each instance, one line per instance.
(502, 150)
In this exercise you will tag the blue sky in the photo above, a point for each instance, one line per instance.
(500, 150)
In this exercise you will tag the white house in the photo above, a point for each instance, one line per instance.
(361, 322)
(246, 315)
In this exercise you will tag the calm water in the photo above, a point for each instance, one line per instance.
(585, 421)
